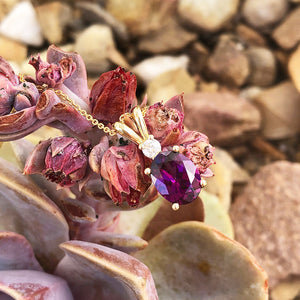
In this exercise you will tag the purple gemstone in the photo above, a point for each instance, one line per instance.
(175, 177)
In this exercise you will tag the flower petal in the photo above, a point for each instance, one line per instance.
(24, 284)
(98, 272)
(191, 260)
(16, 253)
(25, 209)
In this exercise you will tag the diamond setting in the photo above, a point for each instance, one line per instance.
(176, 177)
(150, 148)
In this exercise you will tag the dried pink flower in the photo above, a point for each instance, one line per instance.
(52, 74)
(113, 94)
(123, 167)
(62, 160)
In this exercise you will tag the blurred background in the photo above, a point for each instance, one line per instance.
(238, 64)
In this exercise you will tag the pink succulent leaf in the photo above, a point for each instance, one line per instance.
(77, 83)
(97, 153)
(122, 242)
(52, 74)
(51, 106)
(28, 284)
(113, 94)
(123, 167)
(97, 272)
(164, 123)
(196, 147)
(16, 253)
(176, 102)
(7, 71)
(25, 209)
(65, 160)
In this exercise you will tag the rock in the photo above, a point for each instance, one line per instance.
(262, 66)
(226, 172)
(279, 106)
(222, 116)
(287, 34)
(286, 290)
(12, 50)
(150, 68)
(171, 37)
(94, 13)
(142, 16)
(266, 219)
(250, 36)
(21, 24)
(207, 15)
(6, 6)
(53, 17)
(264, 13)
(294, 68)
(168, 84)
(228, 63)
(198, 55)
(96, 46)
(251, 92)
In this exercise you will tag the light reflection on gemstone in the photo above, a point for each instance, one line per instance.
(175, 177)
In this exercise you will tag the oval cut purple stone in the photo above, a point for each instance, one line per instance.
(175, 177)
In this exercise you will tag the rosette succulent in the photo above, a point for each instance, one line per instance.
(67, 226)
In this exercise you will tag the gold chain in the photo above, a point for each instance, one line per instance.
(84, 113)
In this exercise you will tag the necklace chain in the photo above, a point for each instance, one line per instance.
(84, 113)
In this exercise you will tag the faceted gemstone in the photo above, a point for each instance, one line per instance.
(175, 177)
(150, 148)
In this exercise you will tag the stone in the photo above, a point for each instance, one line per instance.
(94, 13)
(264, 13)
(21, 24)
(12, 50)
(223, 116)
(266, 219)
(175, 177)
(262, 66)
(228, 62)
(168, 84)
(142, 16)
(207, 15)
(294, 68)
(53, 18)
(286, 34)
(279, 106)
(198, 55)
(150, 68)
(172, 37)
(6, 6)
(94, 44)
(286, 290)
(250, 36)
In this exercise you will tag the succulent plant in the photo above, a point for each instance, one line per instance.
(76, 223)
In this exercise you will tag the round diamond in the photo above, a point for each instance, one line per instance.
(175, 177)
(150, 148)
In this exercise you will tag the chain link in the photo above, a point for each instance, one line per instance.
(84, 113)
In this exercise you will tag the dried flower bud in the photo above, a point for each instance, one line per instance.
(62, 160)
(196, 147)
(113, 94)
(164, 123)
(123, 167)
(52, 74)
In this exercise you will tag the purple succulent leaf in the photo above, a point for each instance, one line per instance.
(28, 284)
(97, 153)
(51, 106)
(7, 71)
(176, 102)
(122, 242)
(25, 209)
(96, 272)
(16, 253)
(77, 83)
